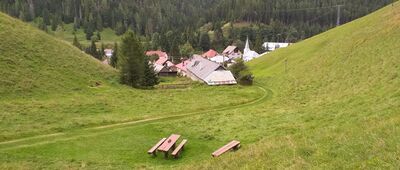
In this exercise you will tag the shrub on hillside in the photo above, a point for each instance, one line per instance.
(245, 78)
(241, 73)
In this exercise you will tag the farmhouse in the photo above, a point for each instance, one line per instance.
(160, 54)
(164, 70)
(210, 54)
(181, 67)
(108, 52)
(272, 46)
(220, 59)
(201, 69)
(232, 52)
(106, 61)
(162, 66)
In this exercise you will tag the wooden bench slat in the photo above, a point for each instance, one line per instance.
(179, 148)
(154, 148)
(226, 148)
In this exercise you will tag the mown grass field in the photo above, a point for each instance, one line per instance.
(334, 105)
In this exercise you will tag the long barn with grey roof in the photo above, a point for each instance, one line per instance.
(212, 73)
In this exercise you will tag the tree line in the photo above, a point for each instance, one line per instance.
(194, 24)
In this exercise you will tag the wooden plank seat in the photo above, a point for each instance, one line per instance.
(179, 149)
(234, 145)
(155, 147)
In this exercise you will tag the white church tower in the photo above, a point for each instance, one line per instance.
(248, 54)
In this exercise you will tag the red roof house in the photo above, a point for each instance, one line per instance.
(210, 54)
(160, 54)
(182, 67)
(230, 50)
(162, 60)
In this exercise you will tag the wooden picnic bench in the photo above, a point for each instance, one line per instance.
(234, 145)
(169, 144)
(153, 150)
(179, 149)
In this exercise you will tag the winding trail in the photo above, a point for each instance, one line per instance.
(94, 131)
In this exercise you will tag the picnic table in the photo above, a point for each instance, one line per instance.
(169, 144)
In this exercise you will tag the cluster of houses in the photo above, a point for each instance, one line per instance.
(208, 67)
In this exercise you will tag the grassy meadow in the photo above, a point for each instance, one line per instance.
(66, 33)
(329, 102)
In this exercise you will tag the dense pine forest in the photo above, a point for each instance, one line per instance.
(180, 26)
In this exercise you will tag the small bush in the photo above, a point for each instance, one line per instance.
(241, 73)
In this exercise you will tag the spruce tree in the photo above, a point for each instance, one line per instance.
(101, 52)
(76, 42)
(258, 44)
(92, 50)
(98, 36)
(205, 42)
(150, 78)
(114, 58)
(155, 41)
(131, 61)
(54, 23)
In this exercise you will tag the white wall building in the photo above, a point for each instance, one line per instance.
(272, 46)
(248, 53)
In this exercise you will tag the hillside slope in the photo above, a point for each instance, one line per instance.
(47, 86)
(336, 101)
(33, 62)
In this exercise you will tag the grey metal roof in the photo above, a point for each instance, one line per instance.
(220, 77)
(202, 67)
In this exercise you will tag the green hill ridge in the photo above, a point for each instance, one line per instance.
(336, 98)
(47, 65)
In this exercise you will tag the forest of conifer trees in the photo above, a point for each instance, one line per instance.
(202, 24)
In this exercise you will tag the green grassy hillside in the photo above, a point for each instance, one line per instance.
(34, 62)
(336, 101)
(334, 105)
(49, 86)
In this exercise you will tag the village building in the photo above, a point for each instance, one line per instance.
(160, 54)
(210, 54)
(249, 54)
(106, 61)
(220, 59)
(181, 67)
(165, 71)
(272, 46)
(161, 61)
(232, 52)
(108, 53)
(211, 73)
(162, 66)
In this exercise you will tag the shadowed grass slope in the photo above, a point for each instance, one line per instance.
(33, 62)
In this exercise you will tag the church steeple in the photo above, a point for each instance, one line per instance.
(247, 47)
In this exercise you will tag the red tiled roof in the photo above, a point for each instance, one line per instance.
(210, 54)
(159, 53)
(182, 65)
(161, 60)
(170, 64)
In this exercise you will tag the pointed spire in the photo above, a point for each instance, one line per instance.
(247, 47)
